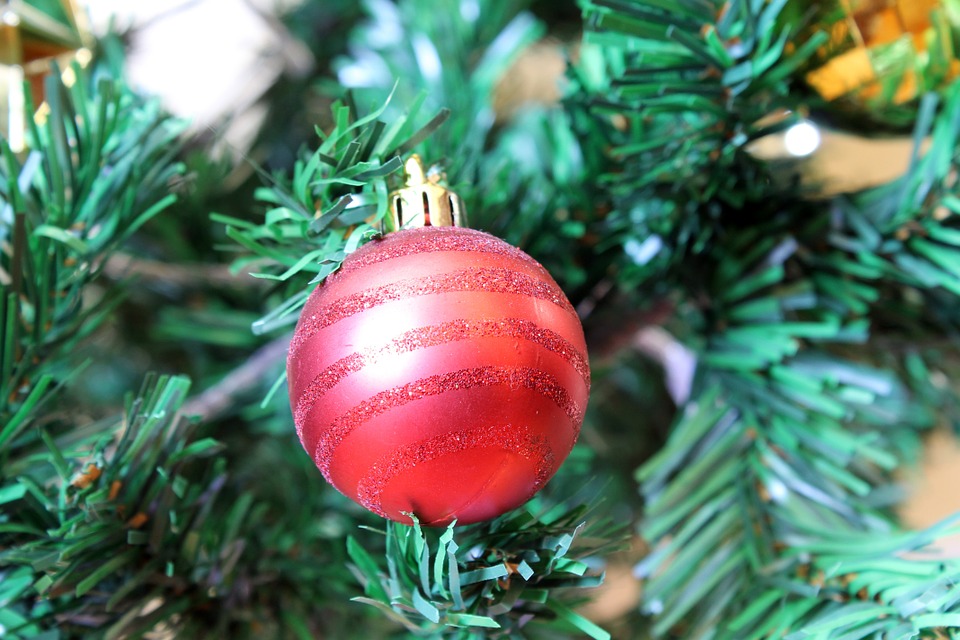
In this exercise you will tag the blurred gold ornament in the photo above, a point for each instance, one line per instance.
(887, 52)
(33, 33)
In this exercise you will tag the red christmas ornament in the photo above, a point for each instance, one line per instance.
(440, 372)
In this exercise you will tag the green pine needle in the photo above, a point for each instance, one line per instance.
(486, 576)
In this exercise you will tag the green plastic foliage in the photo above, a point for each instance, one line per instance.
(759, 498)
(333, 203)
(768, 508)
(694, 81)
(119, 527)
(522, 179)
(492, 576)
(99, 166)
(106, 513)
(677, 93)
(441, 54)
(141, 524)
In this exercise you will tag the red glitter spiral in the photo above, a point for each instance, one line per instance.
(439, 372)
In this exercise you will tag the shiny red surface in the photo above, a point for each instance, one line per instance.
(439, 372)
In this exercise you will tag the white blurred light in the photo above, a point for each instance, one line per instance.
(427, 57)
(654, 607)
(469, 10)
(778, 491)
(208, 60)
(643, 252)
(802, 139)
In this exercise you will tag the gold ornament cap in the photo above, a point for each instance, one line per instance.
(424, 202)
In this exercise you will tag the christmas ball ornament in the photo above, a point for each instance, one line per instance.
(885, 53)
(440, 371)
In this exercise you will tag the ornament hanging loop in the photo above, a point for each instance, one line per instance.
(423, 202)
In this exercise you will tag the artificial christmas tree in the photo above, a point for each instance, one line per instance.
(758, 492)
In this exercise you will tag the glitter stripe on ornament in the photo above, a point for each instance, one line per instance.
(505, 437)
(433, 240)
(431, 336)
(517, 377)
(492, 280)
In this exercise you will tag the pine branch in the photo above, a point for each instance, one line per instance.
(677, 93)
(792, 443)
(445, 56)
(146, 526)
(694, 82)
(189, 276)
(216, 400)
(788, 448)
(527, 180)
(120, 528)
(500, 577)
(100, 517)
(801, 448)
(333, 203)
(743, 492)
(98, 168)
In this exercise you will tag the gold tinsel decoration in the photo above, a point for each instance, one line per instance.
(33, 33)
(887, 52)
